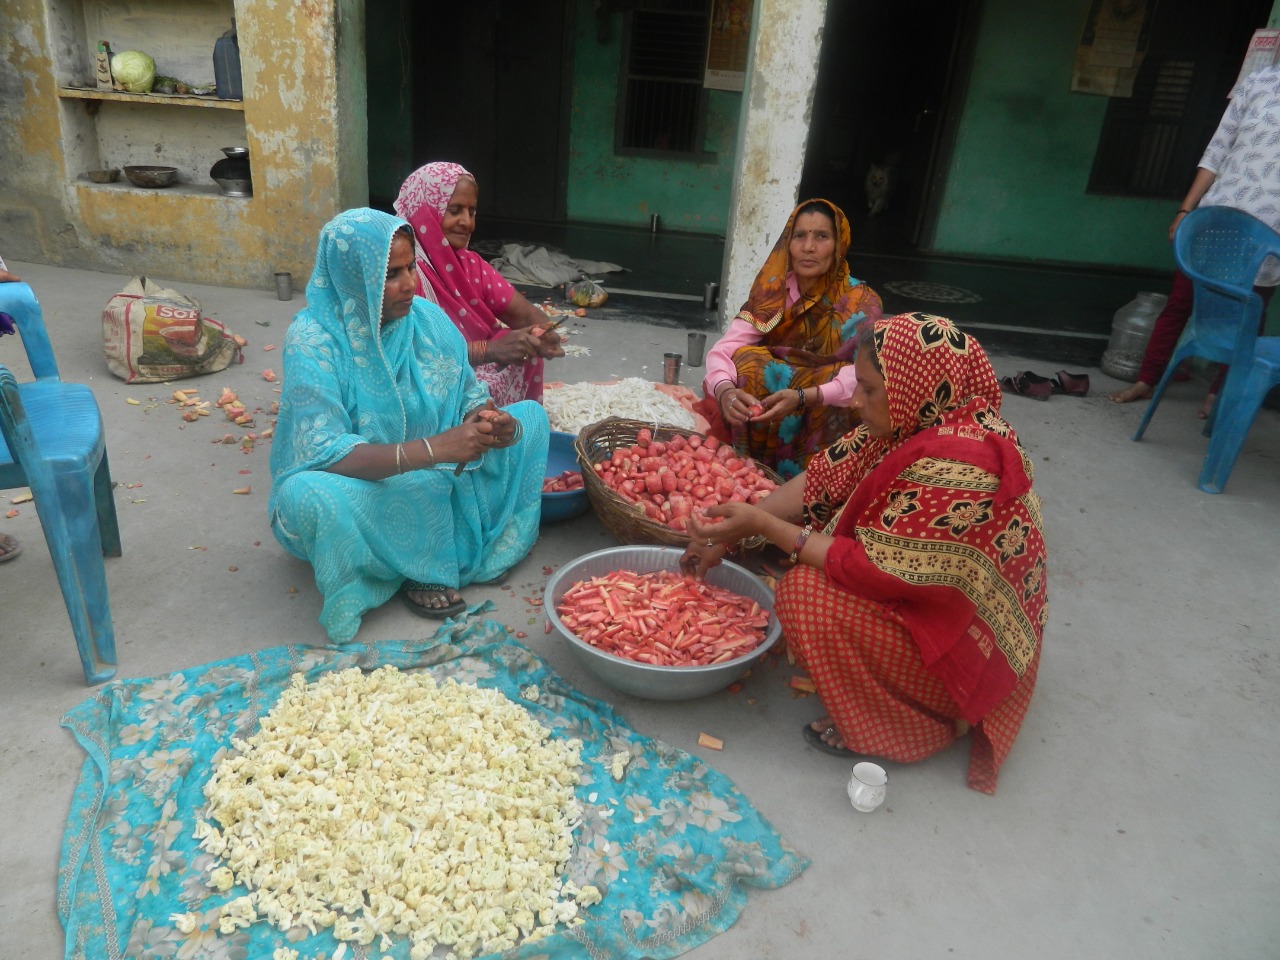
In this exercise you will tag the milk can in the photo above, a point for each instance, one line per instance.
(1130, 330)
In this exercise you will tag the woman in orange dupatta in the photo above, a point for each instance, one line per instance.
(917, 603)
(790, 348)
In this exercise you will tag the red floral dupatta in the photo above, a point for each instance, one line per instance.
(939, 522)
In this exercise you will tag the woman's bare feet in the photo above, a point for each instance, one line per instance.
(433, 600)
(826, 730)
(1139, 391)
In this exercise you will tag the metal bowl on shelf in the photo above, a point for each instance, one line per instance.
(644, 679)
(151, 176)
(110, 175)
(236, 152)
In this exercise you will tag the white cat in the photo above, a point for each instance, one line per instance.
(878, 185)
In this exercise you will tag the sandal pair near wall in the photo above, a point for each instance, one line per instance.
(1029, 384)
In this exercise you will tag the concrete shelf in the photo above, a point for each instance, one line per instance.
(181, 189)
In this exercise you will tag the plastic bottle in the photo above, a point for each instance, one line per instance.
(226, 65)
(1130, 330)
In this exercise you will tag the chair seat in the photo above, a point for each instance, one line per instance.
(65, 417)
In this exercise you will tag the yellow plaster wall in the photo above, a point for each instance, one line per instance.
(303, 123)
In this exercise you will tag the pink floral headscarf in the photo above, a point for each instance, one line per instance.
(471, 292)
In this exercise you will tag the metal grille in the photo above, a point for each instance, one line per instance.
(662, 105)
(1141, 149)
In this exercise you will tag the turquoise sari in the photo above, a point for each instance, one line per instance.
(348, 380)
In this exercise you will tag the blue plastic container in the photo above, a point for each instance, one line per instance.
(226, 65)
(561, 457)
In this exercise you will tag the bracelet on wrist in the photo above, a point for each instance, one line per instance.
(800, 392)
(431, 454)
(800, 542)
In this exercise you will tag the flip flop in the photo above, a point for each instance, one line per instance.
(430, 613)
(1072, 384)
(9, 547)
(1028, 384)
(815, 740)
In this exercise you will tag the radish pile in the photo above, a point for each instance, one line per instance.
(663, 618)
(669, 481)
(563, 483)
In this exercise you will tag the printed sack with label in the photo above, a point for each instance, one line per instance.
(152, 333)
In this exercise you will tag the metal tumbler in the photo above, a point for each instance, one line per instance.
(697, 346)
(671, 368)
(284, 285)
(710, 294)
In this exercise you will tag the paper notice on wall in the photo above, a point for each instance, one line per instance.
(728, 44)
(1111, 48)
(1262, 53)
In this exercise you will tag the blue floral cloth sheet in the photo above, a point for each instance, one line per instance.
(672, 846)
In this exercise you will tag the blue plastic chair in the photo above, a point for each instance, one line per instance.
(1220, 250)
(51, 440)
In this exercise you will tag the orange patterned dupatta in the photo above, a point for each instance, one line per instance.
(803, 346)
(939, 522)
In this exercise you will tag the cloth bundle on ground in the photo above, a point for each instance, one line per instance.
(151, 333)
(530, 264)
(672, 846)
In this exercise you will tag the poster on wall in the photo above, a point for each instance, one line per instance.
(728, 44)
(1112, 45)
(1263, 52)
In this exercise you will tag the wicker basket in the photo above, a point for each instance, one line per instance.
(624, 519)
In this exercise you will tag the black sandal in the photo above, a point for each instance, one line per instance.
(815, 740)
(431, 613)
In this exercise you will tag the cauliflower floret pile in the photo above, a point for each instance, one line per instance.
(385, 804)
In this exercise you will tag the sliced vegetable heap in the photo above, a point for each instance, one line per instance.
(663, 618)
(573, 407)
(563, 483)
(383, 804)
(669, 481)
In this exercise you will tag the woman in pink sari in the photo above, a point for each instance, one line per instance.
(506, 335)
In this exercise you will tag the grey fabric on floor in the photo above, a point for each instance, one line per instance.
(526, 263)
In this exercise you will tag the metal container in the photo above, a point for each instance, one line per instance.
(151, 176)
(670, 368)
(1130, 330)
(645, 679)
(710, 295)
(284, 285)
(697, 348)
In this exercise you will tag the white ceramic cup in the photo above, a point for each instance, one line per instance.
(866, 786)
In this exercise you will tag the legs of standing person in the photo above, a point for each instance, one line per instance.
(1164, 339)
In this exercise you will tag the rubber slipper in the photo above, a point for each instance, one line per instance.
(1072, 384)
(1028, 384)
(9, 547)
(815, 740)
(431, 613)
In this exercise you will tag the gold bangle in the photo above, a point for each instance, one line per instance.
(399, 456)
(431, 454)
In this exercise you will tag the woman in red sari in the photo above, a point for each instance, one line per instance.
(506, 340)
(917, 602)
(790, 348)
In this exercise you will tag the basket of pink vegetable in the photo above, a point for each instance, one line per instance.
(645, 481)
(635, 622)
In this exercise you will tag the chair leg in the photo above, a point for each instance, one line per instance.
(75, 547)
(1239, 403)
(1175, 360)
(105, 507)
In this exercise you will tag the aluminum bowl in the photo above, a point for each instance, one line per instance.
(109, 175)
(148, 176)
(645, 679)
(561, 456)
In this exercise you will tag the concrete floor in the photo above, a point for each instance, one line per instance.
(1136, 816)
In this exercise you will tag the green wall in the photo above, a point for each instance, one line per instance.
(390, 102)
(1016, 185)
(605, 188)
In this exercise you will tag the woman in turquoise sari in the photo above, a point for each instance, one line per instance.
(392, 470)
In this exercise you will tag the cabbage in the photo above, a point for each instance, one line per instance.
(134, 71)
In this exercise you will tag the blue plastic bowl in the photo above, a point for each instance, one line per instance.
(561, 457)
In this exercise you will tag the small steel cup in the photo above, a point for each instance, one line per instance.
(671, 368)
(710, 295)
(284, 285)
(697, 346)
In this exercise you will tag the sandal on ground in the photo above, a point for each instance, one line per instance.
(1072, 384)
(814, 739)
(1028, 384)
(9, 547)
(431, 613)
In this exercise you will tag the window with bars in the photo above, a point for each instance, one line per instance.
(1151, 142)
(662, 105)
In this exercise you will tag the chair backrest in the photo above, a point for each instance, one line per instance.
(1221, 249)
(19, 301)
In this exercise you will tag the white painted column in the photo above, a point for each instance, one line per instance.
(773, 132)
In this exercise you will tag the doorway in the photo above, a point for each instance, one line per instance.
(491, 92)
(887, 79)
